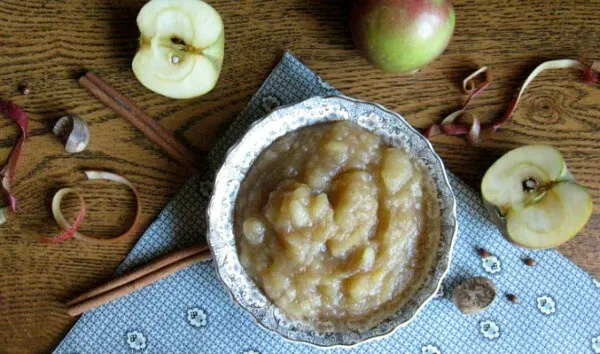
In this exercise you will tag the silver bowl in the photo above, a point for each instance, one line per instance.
(393, 130)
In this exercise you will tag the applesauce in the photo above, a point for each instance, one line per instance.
(334, 225)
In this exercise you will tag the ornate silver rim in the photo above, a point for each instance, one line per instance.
(395, 131)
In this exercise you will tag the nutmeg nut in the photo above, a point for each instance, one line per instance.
(474, 295)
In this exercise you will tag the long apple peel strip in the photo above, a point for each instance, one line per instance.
(71, 230)
(591, 74)
(8, 171)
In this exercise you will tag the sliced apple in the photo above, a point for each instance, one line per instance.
(181, 47)
(533, 198)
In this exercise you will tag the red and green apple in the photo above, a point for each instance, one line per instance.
(402, 35)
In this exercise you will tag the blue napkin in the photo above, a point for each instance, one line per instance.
(190, 311)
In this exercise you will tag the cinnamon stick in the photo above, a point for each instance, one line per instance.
(139, 119)
(131, 286)
(138, 273)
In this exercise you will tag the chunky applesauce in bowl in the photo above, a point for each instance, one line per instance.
(332, 231)
(332, 224)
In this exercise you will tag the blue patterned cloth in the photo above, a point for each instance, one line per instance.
(190, 311)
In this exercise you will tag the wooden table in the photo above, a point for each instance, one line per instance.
(50, 43)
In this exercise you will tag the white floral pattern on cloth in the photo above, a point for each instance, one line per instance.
(269, 103)
(136, 340)
(491, 264)
(596, 282)
(196, 317)
(596, 344)
(489, 329)
(430, 349)
(546, 305)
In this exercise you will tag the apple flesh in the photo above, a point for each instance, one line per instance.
(533, 198)
(401, 35)
(181, 47)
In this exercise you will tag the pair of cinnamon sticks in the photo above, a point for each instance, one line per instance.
(138, 279)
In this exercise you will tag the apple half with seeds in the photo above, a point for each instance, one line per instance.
(181, 47)
(533, 199)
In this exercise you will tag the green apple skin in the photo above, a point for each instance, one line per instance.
(401, 35)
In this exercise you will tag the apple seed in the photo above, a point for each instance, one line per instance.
(483, 253)
(529, 184)
(176, 40)
(513, 298)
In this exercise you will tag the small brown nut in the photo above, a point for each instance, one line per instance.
(530, 262)
(513, 298)
(24, 88)
(483, 253)
(474, 295)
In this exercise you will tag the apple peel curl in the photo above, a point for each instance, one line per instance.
(71, 230)
(73, 132)
(8, 171)
(453, 124)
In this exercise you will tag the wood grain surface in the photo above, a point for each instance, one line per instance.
(50, 43)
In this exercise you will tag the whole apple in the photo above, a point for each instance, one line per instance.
(402, 35)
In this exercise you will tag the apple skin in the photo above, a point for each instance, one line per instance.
(401, 35)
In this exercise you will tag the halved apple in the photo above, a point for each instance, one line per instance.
(181, 47)
(534, 199)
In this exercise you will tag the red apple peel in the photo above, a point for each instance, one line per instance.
(72, 230)
(449, 126)
(8, 171)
